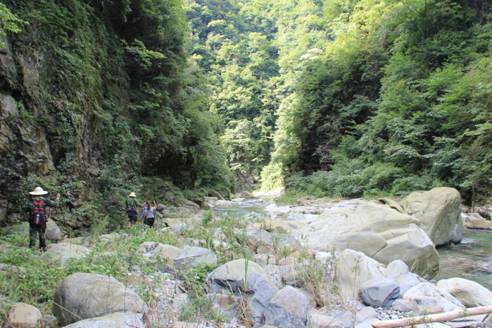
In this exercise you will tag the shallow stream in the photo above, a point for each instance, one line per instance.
(472, 259)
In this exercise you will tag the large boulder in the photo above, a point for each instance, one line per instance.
(244, 277)
(53, 232)
(113, 320)
(289, 308)
(380, 293)
(338, 221)
(415, 249)
(62, 253)
(468, 292)
(427, 295)
(191, 256)
(368, 242)
(235, 276)
(89, 295)
(22, 315)
(439, 212)
(353, 270)
(375, 229)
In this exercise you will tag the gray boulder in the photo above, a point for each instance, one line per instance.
(236, 276)
(366, 317)
(157, 250)
(375, 229)
(53, 232)
(399, 271)
(113, 320)
(353, 270)
(24, 315)
(439, 212)
(190, 257)
(415, 249)
(488, 321)
(259, 240)
(89, 295)
(244, 277)
(380, 293)
(62, 253)
(289, 308)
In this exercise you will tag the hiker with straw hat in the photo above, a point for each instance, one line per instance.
(37, 216)
(131, 207)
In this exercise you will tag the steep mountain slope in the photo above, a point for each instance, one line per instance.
(400, 101)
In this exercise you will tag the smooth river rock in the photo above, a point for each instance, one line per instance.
(289, 308)
(53, 232)
(426, 295)
(62, 253)
(375, 229)
(90, 295)
(415, 249)
(353, 270)
(190, 256)
(380, 293)
(113, 320)
(22, 315)
(439, 210)
(244, 277)
(468, 292)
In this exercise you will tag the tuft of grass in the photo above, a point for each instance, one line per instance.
(200, 306)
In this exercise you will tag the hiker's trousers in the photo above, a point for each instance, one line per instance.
(37, 232)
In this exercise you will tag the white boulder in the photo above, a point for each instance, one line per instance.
(468, 292)
(427, 295)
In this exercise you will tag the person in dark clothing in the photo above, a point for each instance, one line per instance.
(36, 209)
(148, 214)
(131, 208)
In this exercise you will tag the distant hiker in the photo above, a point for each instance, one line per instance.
(131, 207)
(148, 214)
(38, 216)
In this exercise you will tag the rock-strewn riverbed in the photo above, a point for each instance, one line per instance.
(249, 263)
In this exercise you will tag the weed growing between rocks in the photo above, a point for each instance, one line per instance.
(200, 307)
(25, 276)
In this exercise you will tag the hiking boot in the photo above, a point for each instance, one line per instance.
(42, 249)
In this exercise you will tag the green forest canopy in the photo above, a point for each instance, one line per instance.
(334, 97)
(362, 97)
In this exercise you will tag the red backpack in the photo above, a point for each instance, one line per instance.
(38, 214)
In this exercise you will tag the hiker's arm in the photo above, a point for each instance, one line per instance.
(26, 208)
(55, 203)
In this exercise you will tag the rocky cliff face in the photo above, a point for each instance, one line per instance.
(24, 145)
(98, 94)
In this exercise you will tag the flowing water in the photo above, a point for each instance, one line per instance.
(472, 259)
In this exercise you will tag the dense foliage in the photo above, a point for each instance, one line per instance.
(399, 101)
(122, 104)
(335, 97)
(252, 51)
